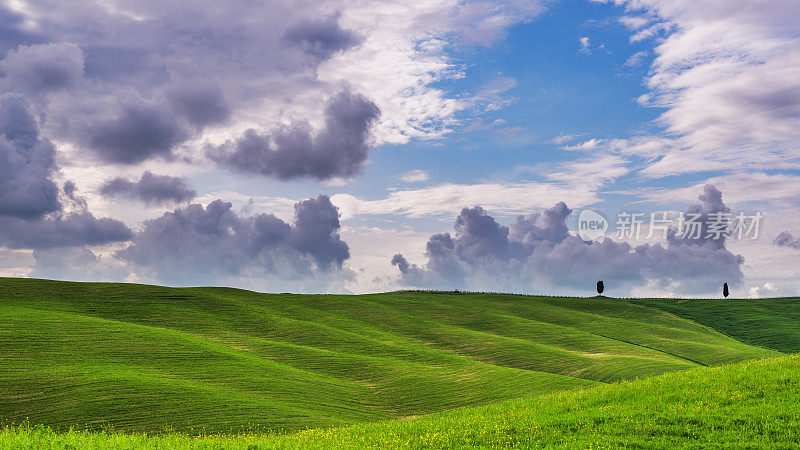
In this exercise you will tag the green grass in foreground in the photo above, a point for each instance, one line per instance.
(745, 405)
(194, 360)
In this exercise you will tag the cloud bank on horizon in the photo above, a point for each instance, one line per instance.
(537, 253)
(289, 146)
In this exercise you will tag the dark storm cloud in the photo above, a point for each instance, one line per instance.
(321, 39)
(38, 69)
(338, 150)
(537, 251)
(216, 242)
(711, 202)
(13, 31)
(786, 239)
(139, 131)
(71, 192)
(314, 232)
(26, 163)
(68, 230)
(150, 189)
(31, 215)
(190, 70)
(201, 102)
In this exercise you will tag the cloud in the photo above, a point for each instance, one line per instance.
(782, 190)
(315, 232)
(38, 69)
(68, 230)
(505, 198)
(491, 95)
(31, 215)
(139, 131)
(770, 290)
(786, 239)
(636, 59)
(150, 189)
(414, 176)
(201, 102)
(26, 163)
(138, 82)
(537, 253)
(711, 203)
(338, 150)
(75, 264)
(585, 46)
(579, 180)
(321, 39)
(590, 144)
(727, 76)
(561, 139)
(197, 244)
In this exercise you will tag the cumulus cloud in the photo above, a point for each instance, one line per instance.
(150, 189)
(201, 102)
(68, 230)
(31, 215)
(245, 65)
(38, 69)
(26, 163)
(321, 39)
(786, 239)
(338, 150)
(197, 244)
(537, 253)
(140, 130)
(711, 203)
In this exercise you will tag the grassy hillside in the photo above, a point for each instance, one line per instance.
(148, 358)
(768, 322)
(745, 405)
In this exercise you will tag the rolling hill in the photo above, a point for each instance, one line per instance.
(203, 360)
(771, 322)
(745, 405)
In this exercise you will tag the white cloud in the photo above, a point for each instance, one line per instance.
(585, 45)
(636, 59)
(371, 250)
(769, 289)
(490, 95)
(449, 199)
(415, 176)
(728, 75)
(405, 54)
(561, 139)
(778, 189)
(590, 144)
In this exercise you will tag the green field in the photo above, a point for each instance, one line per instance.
(200, 361)
(746, 405)
(771, 323)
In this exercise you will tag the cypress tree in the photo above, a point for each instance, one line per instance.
(600, 287)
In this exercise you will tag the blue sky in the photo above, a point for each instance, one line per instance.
(344, 133)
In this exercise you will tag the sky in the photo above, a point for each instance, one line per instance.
(354, 146)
